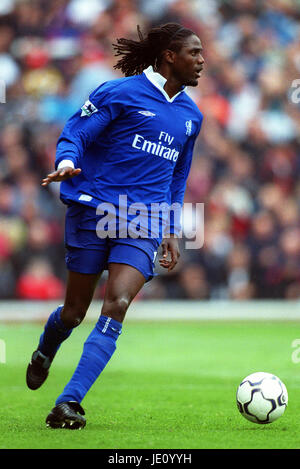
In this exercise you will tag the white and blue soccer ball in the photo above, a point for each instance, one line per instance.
(262, 397)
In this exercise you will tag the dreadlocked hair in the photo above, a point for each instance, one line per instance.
(138, 55)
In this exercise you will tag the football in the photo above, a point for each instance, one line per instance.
(262, 397)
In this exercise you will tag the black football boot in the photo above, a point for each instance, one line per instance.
(37, 370)
(66, 415)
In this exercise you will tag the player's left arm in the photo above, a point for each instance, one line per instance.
(170, 244)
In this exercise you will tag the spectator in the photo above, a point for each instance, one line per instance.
(38, 282)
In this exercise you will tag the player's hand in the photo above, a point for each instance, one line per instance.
(61, 175)
(169, 246)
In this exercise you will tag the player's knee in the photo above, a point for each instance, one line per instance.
(73, 315)
(115, 308)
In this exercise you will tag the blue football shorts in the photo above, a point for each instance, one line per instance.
(88, 254)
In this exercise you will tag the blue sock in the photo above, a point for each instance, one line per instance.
(54, 334)
(97, 351)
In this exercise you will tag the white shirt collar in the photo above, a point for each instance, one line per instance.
(159, 81)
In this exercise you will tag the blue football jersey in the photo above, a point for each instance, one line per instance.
(130, 140)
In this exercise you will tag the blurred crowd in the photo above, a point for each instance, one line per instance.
(246, 166)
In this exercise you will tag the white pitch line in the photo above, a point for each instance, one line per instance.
(27, 311)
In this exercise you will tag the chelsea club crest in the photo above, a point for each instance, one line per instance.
(188, 126)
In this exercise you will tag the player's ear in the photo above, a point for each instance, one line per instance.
(169, 56)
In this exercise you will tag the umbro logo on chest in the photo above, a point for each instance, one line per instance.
(147, 113)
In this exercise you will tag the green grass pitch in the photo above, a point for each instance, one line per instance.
(169, 385)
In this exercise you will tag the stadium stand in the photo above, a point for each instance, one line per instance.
(247, 158)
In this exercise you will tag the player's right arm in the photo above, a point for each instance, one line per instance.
(83, 128)
(65, 172)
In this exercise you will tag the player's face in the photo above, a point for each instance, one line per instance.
(188, 62)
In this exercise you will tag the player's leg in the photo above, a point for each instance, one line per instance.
(124, 282)
(129, 267)
(79, 293)
(123, 285)
(84, 267)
